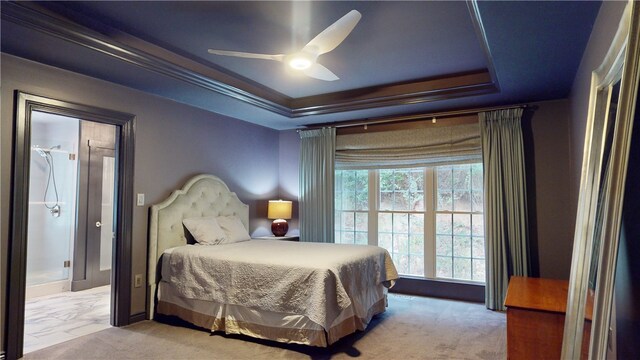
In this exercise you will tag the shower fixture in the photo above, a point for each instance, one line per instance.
(46, 154)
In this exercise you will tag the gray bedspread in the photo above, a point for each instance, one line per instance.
(312, 279)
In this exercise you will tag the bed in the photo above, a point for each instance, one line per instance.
(291, 292)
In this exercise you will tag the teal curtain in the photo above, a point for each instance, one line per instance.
(506, 235)
(317, 158)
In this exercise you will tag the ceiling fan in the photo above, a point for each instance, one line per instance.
(305, 60)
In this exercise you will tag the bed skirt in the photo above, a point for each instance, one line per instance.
(285, 328)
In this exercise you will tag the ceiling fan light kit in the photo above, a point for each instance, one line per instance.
(305, 60)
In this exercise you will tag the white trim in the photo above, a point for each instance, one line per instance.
(618, 64)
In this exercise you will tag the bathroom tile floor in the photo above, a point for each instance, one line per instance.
(53, 319)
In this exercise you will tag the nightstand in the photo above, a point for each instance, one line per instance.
(285, 238)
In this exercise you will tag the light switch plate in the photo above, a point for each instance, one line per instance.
(140, 200)
(137, 282)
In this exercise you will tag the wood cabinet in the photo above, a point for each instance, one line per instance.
(535, 318)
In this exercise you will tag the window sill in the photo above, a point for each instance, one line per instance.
(440, 288)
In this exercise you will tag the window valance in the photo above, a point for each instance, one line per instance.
(427, 146)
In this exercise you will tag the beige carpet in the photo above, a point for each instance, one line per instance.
(411, 328)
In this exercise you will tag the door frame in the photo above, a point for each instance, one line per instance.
(25, 104)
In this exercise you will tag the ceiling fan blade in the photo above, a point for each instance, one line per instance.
(277, 57)
(320, 72)
(332, 36)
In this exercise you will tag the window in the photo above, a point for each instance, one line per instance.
(459, 223)
(351, 206)
(429, 219)
(401, 218)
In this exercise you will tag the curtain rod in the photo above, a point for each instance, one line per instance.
(392, 119)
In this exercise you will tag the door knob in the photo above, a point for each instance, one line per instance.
(98, 224)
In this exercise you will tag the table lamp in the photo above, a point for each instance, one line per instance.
(280, 210)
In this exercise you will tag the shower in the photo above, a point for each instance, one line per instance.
(51, 178)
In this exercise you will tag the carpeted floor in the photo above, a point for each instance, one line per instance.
(411, 328)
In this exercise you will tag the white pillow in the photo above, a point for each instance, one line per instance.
(205, 230)
(233, 228)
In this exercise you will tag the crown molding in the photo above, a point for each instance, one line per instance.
(207, 76)
(35, 17)
(441, 88)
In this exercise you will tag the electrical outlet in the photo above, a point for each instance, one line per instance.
(140, 200)
(137, 281)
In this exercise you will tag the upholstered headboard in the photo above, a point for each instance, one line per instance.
(203, 195)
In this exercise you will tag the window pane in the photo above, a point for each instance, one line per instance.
(362, 222)
(351, 193)
(462, 224)
(477, 225)
(460, 236)
(362, 190)
(348, 223)
(476, 177)
(416, 223)
(417, 201)
(400, 223)
(461, 200)
(444, 245)
(444, 178)
(443, 223)
(386, 180)
(462, 246)
(444, 267)
(349, 201)
(348, 237)
(401, 178)
(416, 265)
(400, 243)
(478, 247)
(361, 238)
(385, 224)
(402, 263)
(401, 200)
(445, 200)
(462, 268)
(417, 180)
(477, 202)
(385, 241)
(386, 200)
(479, 270)
(416, 244)
(462, 177)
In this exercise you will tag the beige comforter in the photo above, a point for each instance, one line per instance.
(311, 279)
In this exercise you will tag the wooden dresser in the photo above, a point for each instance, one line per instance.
(535, 318)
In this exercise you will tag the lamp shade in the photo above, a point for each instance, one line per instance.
(279, 209)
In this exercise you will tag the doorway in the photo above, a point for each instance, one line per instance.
(101, 244)
(71, 229)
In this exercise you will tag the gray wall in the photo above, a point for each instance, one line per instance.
(547, 153)
(289, 179)
(173, 143)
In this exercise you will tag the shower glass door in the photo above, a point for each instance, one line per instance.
(52, 198)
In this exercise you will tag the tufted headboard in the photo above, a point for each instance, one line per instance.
(203, 195)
